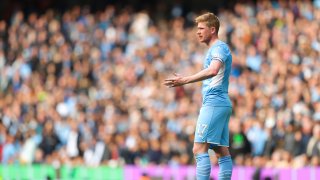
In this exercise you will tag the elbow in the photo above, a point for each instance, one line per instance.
(213, 72)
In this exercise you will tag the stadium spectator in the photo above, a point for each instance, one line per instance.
(80, 86)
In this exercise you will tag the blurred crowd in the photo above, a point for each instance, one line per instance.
(87, 88)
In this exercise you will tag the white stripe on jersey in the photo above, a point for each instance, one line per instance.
(217, 80)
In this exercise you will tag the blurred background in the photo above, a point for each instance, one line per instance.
(81, 93)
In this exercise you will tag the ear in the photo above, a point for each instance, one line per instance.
(213, 30)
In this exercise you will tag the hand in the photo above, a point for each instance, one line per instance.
(178, 80)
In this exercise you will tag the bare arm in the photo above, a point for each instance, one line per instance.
(211, 71)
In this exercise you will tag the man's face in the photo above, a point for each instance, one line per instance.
(204, 32)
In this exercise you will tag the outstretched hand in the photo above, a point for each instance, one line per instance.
(177, 80)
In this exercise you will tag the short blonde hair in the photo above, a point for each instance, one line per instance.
(210, 19)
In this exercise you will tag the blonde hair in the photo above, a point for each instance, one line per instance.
(210, 19)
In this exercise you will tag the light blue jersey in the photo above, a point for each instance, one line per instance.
(215, 89)
(212, 125)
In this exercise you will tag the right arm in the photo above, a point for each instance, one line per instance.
(209, 72)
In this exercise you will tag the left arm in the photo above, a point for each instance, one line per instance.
(209, 72)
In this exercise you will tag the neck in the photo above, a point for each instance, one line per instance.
(213, 40)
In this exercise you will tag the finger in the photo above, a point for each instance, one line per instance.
(168, 83)
(171, 79)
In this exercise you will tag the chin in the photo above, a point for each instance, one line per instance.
(201, 40)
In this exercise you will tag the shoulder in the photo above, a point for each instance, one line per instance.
(222, 47)
(221, 50)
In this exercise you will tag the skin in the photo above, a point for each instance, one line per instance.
(208, 36)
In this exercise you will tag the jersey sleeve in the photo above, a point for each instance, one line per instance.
(220, 53)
